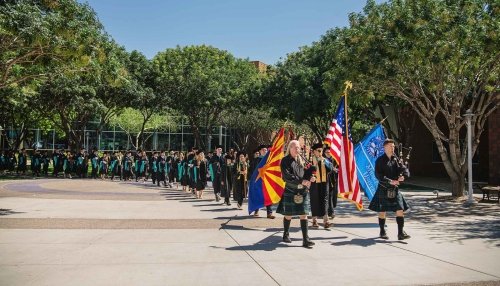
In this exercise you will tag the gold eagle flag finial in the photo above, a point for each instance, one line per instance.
(348, 85)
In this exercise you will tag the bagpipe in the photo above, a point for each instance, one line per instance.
(309, 168)
(403, 161)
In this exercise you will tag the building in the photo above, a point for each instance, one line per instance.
(262, 67)
(426, 161)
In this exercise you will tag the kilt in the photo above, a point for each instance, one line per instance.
(289, 208)
(380, 202)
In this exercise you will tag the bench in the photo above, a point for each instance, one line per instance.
(489, 191)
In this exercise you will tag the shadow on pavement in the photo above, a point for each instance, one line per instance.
(219, 210)
(8, 212)
(364, 242)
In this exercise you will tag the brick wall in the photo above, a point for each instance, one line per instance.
(494, 147)
(262, 67)
(421, 163)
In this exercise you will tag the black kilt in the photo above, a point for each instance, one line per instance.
(380, 202)
(289, 208)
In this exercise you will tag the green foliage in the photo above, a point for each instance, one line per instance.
(201, 82)
(36, 36)
(306, 88)
(131, 120)
(441, 57)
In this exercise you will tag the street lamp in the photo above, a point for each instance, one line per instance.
(468, 115)
(1, 140)
(87, 137)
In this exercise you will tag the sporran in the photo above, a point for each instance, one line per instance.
(298, 199)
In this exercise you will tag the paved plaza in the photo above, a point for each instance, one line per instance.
(93, 232)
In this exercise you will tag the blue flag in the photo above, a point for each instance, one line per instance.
(366, 153)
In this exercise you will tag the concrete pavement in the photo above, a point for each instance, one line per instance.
(91, 232)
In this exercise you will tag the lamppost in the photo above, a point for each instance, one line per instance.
(87, 141)
(468, 115)
(1, 141)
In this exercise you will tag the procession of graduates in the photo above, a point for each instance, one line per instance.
(229, 172)
(192, 170)
(305, 193)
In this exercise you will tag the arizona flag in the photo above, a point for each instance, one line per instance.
(266, 184)
(342, 150)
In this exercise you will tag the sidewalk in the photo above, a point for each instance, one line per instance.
(90, 232)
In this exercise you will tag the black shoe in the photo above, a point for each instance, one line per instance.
(286, 238)
(383, 235)
(403, 236)
(307, 243)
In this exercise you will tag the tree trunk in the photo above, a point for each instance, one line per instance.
(457, 186)
(197, 137)
(20, 137)
(196, 134)
(137, 141)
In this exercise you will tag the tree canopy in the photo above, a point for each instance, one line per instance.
(202, 82)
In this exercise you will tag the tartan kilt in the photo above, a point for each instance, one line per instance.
(380, 202)
(289, 208)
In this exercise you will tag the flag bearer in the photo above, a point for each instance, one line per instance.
(390, 172)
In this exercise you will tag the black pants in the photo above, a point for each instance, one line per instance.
(36, 171)
(240, 188)
(117, 171)
(154, 176)
(217, 184)
(94, 173)
(161, 177)
(331, 202)
(79, 171)
(127, 174)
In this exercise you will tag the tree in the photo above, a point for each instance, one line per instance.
(17, 114)
(116, 85)
(36, 35)
(306, 88)
(149, 103)
(251, 124)
(132, 121)
(73, 100)
(201, 82)
(441, 57)
(297, 93)
(57, 55)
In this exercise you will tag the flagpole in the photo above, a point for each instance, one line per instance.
(348, 85)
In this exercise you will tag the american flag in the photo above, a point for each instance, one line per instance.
(340, 141)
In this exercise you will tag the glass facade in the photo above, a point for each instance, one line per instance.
(115, 139)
